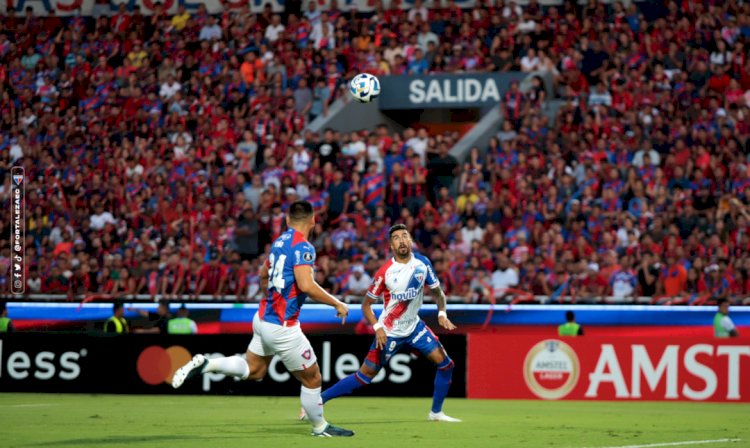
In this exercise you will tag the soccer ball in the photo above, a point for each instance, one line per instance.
(364, 87)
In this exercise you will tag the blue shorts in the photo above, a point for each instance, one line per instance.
(422, 340)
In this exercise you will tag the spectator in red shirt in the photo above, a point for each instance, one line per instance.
(213, 277)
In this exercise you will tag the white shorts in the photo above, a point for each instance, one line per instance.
(288, 343)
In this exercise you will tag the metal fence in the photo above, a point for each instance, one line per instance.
(518, 297)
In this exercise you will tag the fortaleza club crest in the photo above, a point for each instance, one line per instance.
(551, 369)
(18, 179)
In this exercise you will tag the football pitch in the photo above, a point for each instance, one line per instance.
(49, 420)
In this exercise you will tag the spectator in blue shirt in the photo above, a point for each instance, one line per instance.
(419, 65)
(321, 95)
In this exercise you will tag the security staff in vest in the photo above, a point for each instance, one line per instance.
(570, 327)
(157, 321)
(723, 325)
(182, 324)
(117, 323)
(6, 326)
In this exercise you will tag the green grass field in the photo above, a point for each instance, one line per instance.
(88, 421)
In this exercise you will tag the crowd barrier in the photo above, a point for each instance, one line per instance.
(488, 366)
(144, 364)
(215, 318)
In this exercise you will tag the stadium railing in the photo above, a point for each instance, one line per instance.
(512, 298)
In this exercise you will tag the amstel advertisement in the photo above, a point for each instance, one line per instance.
(608, 368)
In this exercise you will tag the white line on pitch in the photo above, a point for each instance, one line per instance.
(689, 442)
(28, 405)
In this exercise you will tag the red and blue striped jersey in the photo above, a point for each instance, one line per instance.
(374, 189)
(284, 300)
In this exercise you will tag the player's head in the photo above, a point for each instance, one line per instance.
(163, 308)
(723, 306)
(182, 311)
(400, 241)
(3, 310)
(570, 316)
(118, 309)
(301, 215)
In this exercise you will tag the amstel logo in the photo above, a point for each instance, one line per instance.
(157, 365)
(551, 369)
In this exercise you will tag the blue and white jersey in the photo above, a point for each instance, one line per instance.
(401, 286)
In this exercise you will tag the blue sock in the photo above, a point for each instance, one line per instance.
(346, 386)
(443, 379)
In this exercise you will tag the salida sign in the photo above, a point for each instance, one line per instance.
(609, 368)
(445, 91)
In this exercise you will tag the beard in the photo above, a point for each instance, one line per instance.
(403, 251)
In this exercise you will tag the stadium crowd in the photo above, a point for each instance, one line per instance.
(161, 152)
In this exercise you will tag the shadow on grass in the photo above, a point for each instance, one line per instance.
(299, 426)
(103, 441)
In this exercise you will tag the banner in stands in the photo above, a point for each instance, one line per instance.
(90, 7)
(370, 5)
(445, 91)
(86, 7)
(599, 368)
(144, 364)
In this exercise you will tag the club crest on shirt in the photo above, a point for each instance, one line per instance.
(417, 278)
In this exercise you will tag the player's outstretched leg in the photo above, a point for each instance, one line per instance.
(363, 377)
(251, 366)
(312, 403)
(348, 385)
(443, 378)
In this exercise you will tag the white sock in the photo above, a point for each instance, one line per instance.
(232, 366)
(313, 405)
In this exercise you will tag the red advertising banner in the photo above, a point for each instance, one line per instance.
(608, 368)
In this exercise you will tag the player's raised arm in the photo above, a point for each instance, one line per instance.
(264, 277)
(373, 294)
(433, 283)
(304, 277)
(368, 312)
(380, 336)
(439, 296)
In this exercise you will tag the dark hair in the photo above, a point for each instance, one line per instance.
(117, 306)
(721, 302)
(395, 228)
(570, 316)
(300, 210)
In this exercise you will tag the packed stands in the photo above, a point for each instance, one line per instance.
(161, 152)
